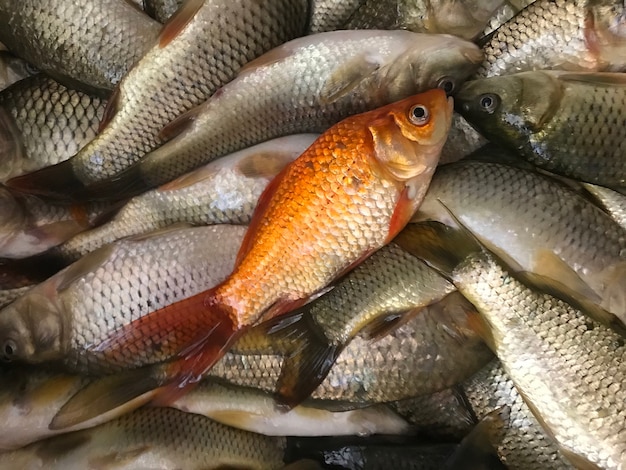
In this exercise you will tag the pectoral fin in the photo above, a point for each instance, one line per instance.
(348, 77)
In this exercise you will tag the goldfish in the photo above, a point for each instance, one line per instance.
(346, 196)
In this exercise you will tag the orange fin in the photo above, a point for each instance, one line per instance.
(178, 21)
(308, 359)
(111, 109)
(56, 182)
(195, 331)
(180, 124)
(259, 214)
(401, 215)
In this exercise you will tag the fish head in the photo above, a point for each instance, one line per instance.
(430, 61)
(465, 19)
(508, 109)
(31, 328)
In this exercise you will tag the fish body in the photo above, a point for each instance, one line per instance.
(59, 38)
(570, 369)
(162, 10)
(346, 196)
(179, 72)
(155, 438)
(429, 352)
(575, 35)
(331, 15)
(44, 123)
(225, 191)
(537, 225)
(61, 318)
(539, 115)
(13, 69)
(306, 85)
(521, 443)
(612, 202)
(504, 13)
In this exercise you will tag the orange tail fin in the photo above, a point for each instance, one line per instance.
(192, 333)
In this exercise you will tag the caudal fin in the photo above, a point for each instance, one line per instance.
(56, 182)
(191, 335)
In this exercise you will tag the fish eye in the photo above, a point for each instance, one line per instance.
(488, 102)
(446, 84)
(419, 115)
(9, 350)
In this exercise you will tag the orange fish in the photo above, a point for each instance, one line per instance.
(346, 196)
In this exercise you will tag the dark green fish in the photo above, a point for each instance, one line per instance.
(573, 124)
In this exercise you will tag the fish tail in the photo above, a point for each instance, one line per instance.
(56, 182)
(126, 184)
(308, 359)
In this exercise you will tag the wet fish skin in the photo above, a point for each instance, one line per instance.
(44, 123)
(95, 57)
(612, 202)
(162, 10)
(430, 352)
(331, 15)
(156, 438)
(464, 18)
(522, 442)
(569, 368)
(562, 34)
(178, 73)
(547, 127)
(504, 13)
(29, 225)
(345, 197)
(61, 318)
(573, 245)
(225, 191)
(383, 291)
(306, 85)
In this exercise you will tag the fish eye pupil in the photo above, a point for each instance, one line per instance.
(9, 349)
(419, 115)
(488, 102)
(446, 84)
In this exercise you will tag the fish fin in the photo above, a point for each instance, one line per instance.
(310, 355)
(108, 396)
(271, 57)
(348, 77)
(108, 214)
(122, 186)
(189, 179)
(56, 182)
(139, 237)
(259, 215)
(478, 448)
(265, 164)
(595, 78)
(614, 295)
(402, 213)
(180, 124)
(11, 147)
(178, 21)
(483, 40)
(195, 331)
(118, 459)
(481, 327)
(112, 106)
(48, 450)
(579, 302)
(440, 246)
(85, 265)
(381, 326)
(54, 233)
(579, 462)
(286, 305)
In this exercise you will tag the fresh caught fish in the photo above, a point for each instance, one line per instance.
(462, 141)
(431, 351)
(463, 18)
(13, 69)
(154, 438)
(75, 308)
(331, 15)
(544, 230)
(585, 35)
(29, 225)
(382, 292)
(612, 202)
(504, 13)
(570, 369)
(306, 85)
(181, 71)
(224, 191)
(42, 123)
(521, 442)
(30, 398)
(540, 115)
(345, 197)
(59, 38)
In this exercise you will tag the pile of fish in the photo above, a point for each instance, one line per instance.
(233, 231)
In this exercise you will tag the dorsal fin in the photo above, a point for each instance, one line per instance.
(178, 21)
